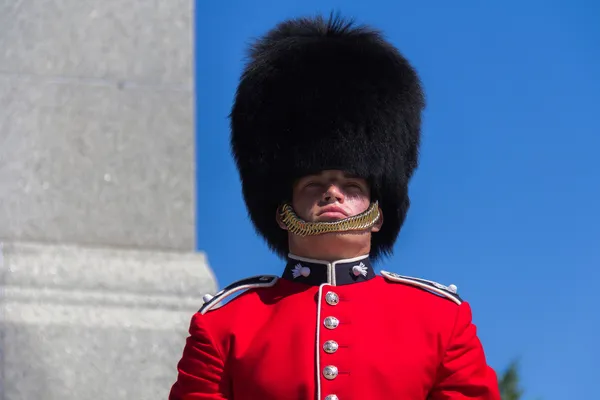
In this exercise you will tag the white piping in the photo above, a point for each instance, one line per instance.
(320, 297)
(349, 260)
(316, 261)
(221, 295)
(421, 285)
(331, 268)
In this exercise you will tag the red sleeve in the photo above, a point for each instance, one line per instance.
(464, 373)
(200, 370)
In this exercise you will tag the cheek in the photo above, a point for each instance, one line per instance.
(358, 204)
(303, 206)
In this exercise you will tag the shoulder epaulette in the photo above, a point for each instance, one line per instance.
(260, 281)
(449, 292)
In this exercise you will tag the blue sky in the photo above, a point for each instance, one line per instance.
(506, 200)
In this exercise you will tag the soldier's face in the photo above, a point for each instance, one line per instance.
(329, 196)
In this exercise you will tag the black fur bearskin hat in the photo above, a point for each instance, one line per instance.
(321, 94)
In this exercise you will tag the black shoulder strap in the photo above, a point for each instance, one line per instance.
(449, 292)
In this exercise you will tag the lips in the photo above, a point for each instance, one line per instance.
(333, 209)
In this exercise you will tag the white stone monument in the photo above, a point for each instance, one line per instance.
(99, 276)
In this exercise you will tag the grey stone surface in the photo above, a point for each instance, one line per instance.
(99, 277)
(97, 122)
(96, 164)
(95, 323)
(144, 41)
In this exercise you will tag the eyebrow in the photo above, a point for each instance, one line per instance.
(345, 175)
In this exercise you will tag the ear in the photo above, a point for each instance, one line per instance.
(379, 223)
(278, 219)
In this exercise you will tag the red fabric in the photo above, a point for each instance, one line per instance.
(395, 342)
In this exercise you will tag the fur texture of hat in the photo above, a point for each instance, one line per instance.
(320, 94)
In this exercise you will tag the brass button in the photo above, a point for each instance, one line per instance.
(332, 298)
(330, 372)
(331, 322)
(330, 346)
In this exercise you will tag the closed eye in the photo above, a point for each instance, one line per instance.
(355, 186)
(313, 185)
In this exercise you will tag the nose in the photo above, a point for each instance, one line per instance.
(333, 194)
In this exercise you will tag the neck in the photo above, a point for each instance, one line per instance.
(328, 248)
(329, 257)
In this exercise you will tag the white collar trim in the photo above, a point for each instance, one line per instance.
(332, 263)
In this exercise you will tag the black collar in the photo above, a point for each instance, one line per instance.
(337, 273)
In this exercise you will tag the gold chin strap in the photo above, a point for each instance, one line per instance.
(365, 220)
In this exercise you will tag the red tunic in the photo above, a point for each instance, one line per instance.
(335, 332)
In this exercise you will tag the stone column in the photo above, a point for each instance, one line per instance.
(98, 273)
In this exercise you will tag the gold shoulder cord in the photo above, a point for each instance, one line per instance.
(297, 226)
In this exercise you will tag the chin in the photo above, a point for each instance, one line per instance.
(348, 235)
(329, 219)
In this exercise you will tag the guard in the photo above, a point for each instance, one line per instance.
(325, 132)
